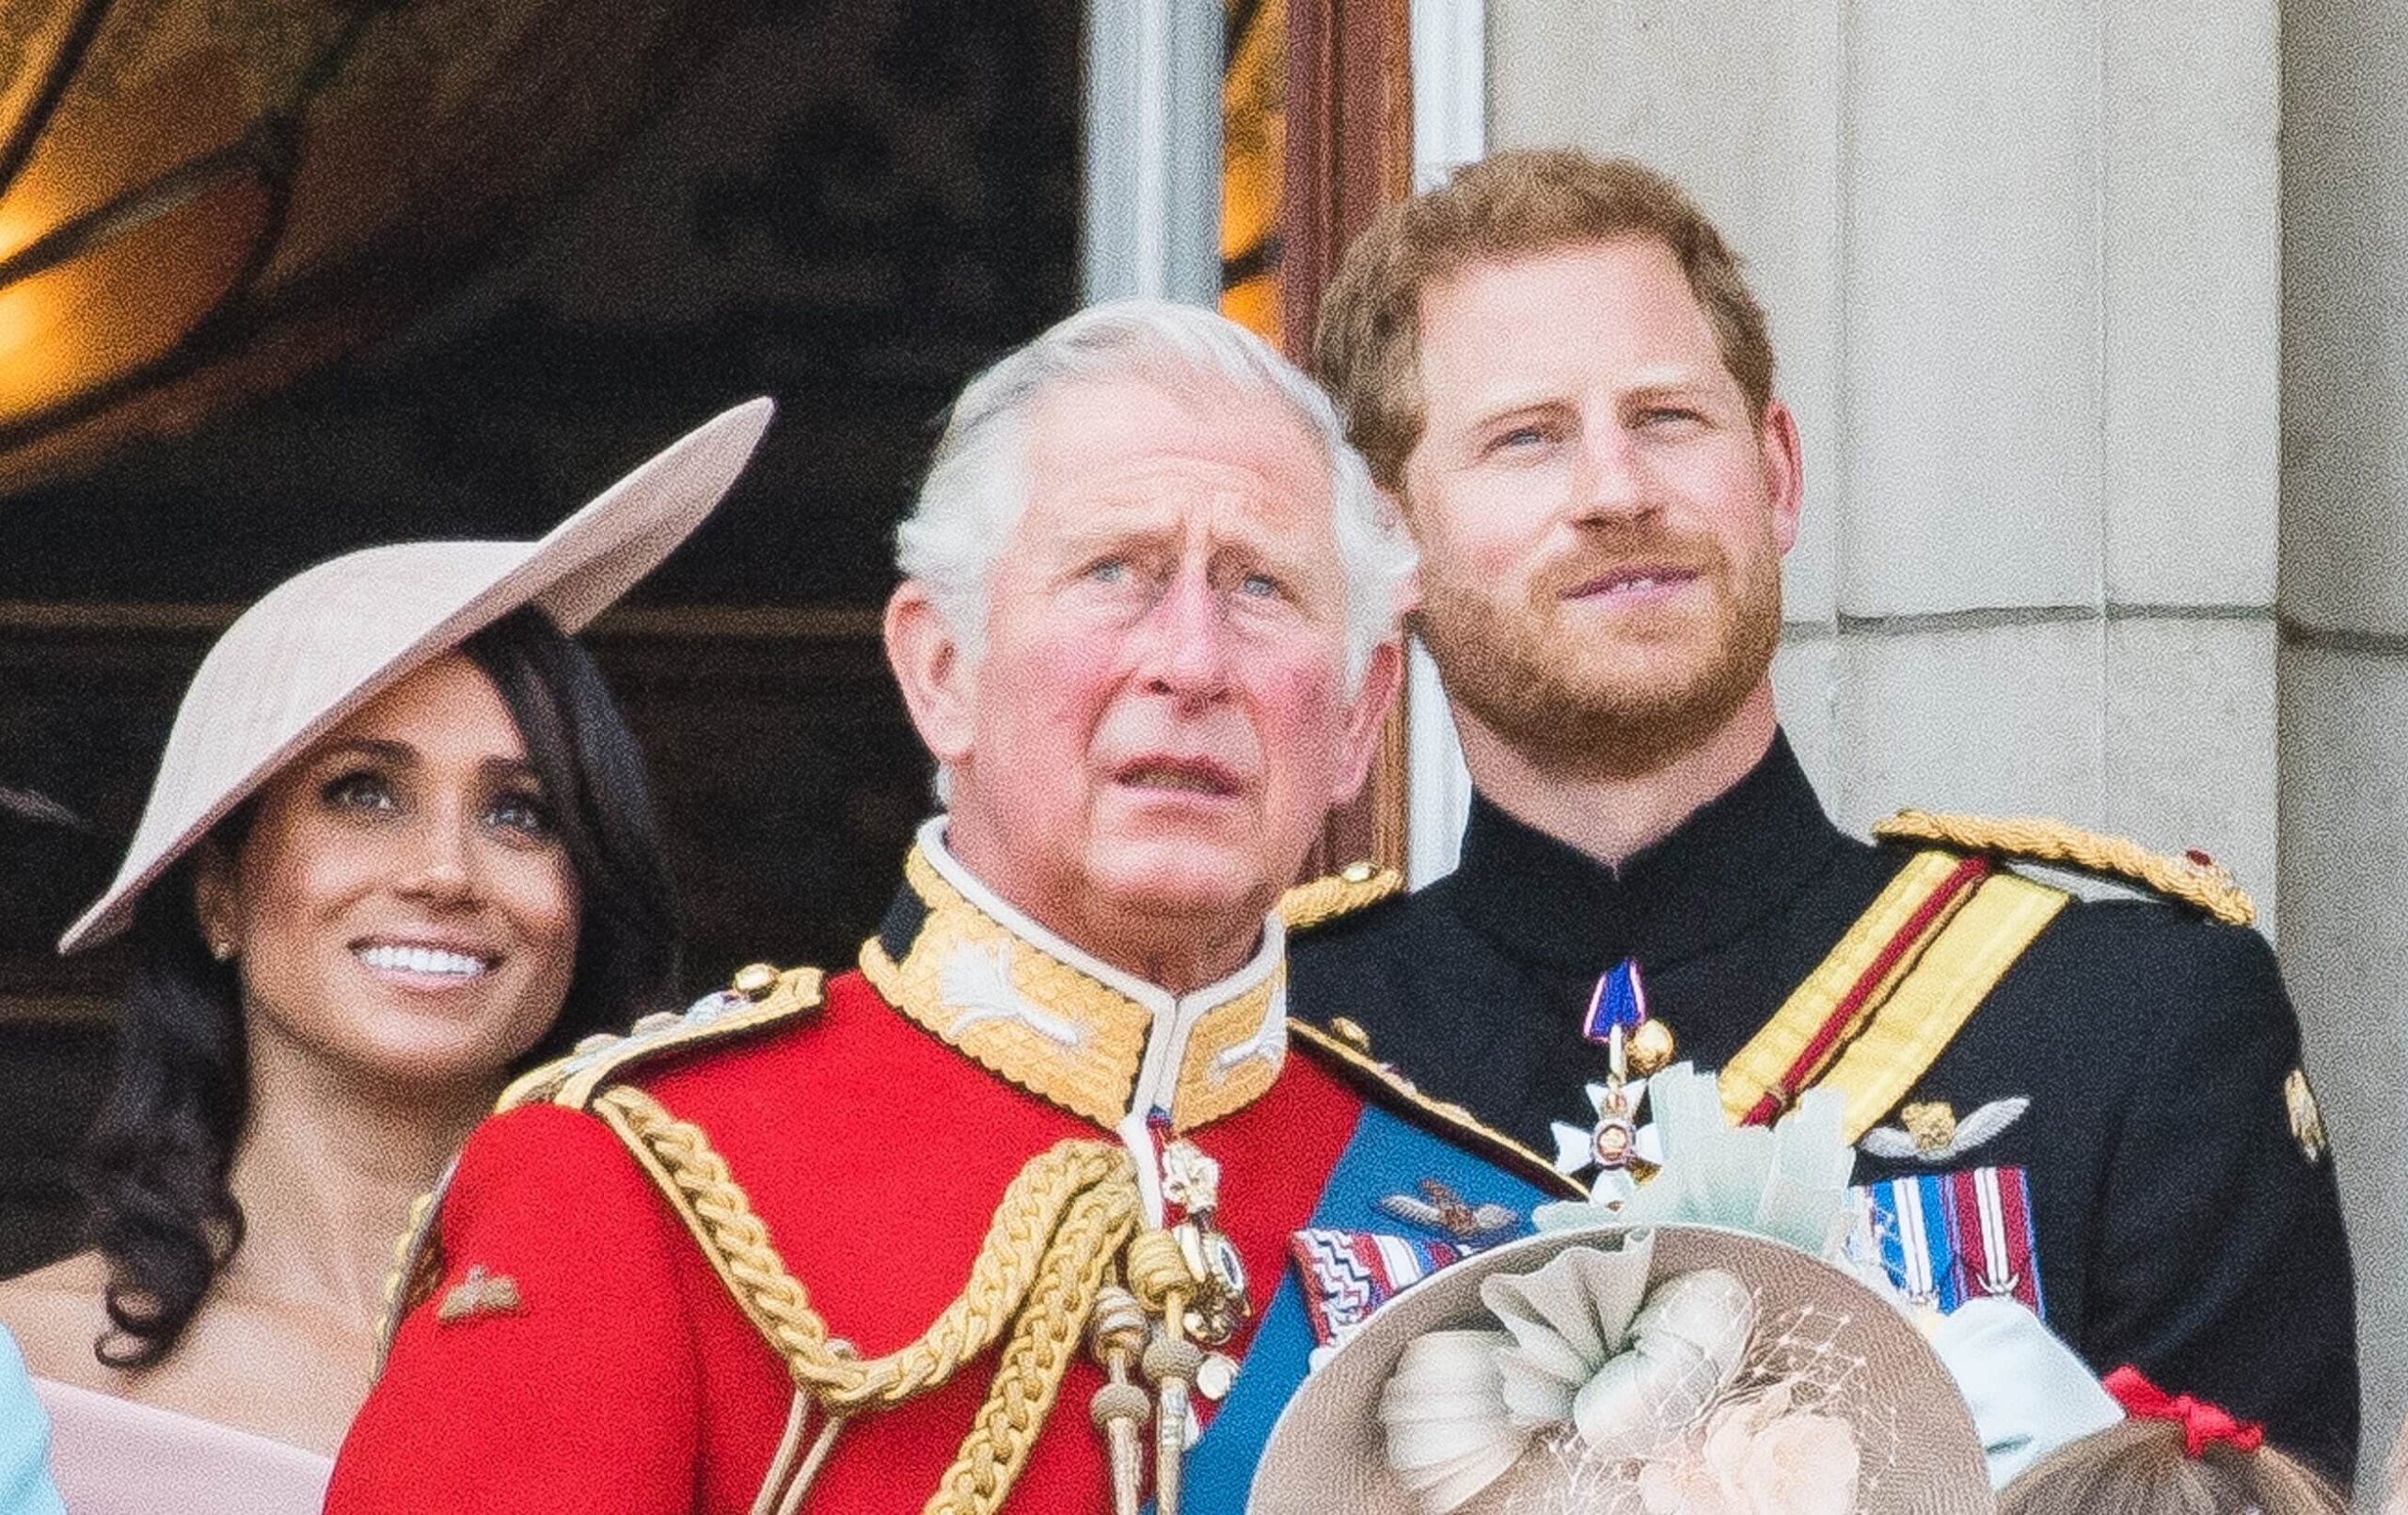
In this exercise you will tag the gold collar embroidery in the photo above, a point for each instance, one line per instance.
(1071, 1030)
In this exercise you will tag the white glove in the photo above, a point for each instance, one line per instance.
(2029, 1393)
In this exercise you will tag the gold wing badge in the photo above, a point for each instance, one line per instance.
(1439, 1209)
(1933, 1132)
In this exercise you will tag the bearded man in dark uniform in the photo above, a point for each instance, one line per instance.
(1554, 365)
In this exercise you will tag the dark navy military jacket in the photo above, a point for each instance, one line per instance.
(2180, 1223)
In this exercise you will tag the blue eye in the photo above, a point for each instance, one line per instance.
(1522, 439)
(1260, 586)
(1110, 571)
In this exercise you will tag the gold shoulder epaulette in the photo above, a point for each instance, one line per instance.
(2194, 878)
(760, 996)
(1344, 1049)
(1350, 889)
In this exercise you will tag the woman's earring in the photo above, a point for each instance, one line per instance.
(222, 949)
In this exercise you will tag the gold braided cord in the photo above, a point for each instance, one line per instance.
(1029, 1377)
(1153, 1268)
(2207, 885)
(1062, 1225)
(696, 1181)
(418, 1267)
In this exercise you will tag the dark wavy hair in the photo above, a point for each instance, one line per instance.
(154, 1165)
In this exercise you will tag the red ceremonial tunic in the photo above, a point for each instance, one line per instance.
(624, 1376)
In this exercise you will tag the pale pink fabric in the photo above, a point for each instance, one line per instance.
(114, 1457)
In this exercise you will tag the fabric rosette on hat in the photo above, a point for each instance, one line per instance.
(1618, 1371)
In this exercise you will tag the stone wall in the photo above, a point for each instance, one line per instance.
(2343, 671)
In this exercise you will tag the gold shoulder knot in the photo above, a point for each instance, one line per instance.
(760, 996)
(2192, 878)
(1350, 889)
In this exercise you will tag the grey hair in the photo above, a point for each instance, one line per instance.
(977, 483)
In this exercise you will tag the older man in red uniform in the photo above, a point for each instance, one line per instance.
(1051, 1141)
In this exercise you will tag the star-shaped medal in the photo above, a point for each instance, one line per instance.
(1613, 1140)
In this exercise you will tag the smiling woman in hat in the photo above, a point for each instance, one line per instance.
(399, 846)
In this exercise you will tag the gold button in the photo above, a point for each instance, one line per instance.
(1358, 872)
(755, 980)
(1351, 1032)
(1651, 1047)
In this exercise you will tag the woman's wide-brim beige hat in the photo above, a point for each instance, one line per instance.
(1328, 1454)
(330, 638)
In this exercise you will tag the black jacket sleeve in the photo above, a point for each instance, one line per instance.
(2222, 1271)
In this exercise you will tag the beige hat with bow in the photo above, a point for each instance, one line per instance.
(1625, 1371)
(330, 638)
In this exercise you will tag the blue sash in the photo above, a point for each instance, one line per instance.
(1387, 1156)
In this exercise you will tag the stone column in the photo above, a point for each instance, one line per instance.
(1153, 151)
(2344, 657)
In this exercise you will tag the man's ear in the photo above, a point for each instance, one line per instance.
(1365, 715)
(938, 682)
(1784, 470)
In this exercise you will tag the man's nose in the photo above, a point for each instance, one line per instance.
(1612, 481)
(1186, 654)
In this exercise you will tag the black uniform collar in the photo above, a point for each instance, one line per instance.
(1741, 856)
